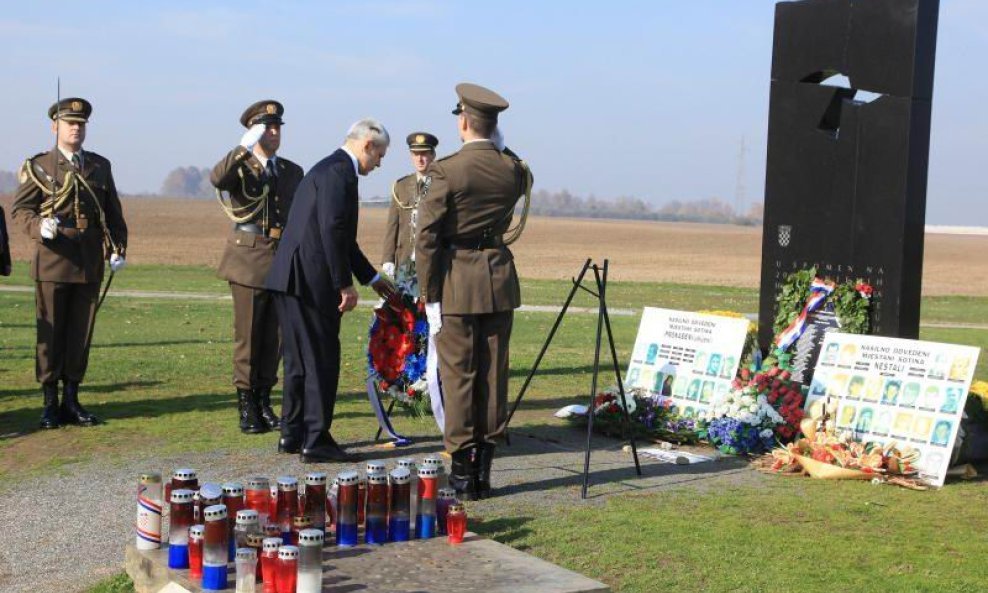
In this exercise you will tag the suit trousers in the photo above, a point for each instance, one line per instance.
(312, 369)
(473, 366)
(64, 313)
(256, 342)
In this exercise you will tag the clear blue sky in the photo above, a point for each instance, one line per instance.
(611, 98)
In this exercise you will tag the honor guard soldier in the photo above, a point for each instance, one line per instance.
(67, 204)
(260, 185)
(468, 280)
(406, 193)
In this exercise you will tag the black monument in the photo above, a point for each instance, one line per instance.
(845, 182)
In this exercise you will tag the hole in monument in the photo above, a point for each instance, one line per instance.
(830, 121)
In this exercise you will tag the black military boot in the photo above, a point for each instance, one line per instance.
(485, 457)
(49, 413)
(250, 415)
(463, 476)
(72, 411)
(267, 414)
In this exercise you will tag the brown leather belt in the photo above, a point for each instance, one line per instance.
(475, 244)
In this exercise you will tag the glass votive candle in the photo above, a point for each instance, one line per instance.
(195, 551)
(299, 522)
(269, 563)
(346, 513)
(287, 569)
(287, 505)
(456, 523)
(447, 496)
(180, 519)
(315, 499)
(376, 523)
(215, 548)
(399, 502)
(149, 507)
(258, 497)
(246, 566)
(310, 543)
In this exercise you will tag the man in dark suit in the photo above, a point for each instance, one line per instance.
(312, 277)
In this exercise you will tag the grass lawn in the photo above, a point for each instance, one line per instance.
(160, 372)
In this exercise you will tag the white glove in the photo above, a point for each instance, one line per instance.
(49, 228)
(117, 262)
(388, 268)
(434, 313)
(252, 135)
(498, 138)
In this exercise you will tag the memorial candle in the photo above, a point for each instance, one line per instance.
(436, 461)
(310, 542)
(258, 497)
(255, 541)
(183, 478)
(376, 466)
(195, 551)
(346, 512)
(287, 505)
(215, 548)
(315, 499)
(409, 464)
(149, 507)
(233, 499)
(180, 519)
(376, 525)
(425, 524)
(269, 563)
(287, 569)
(399, 505)
(456, 523)
(246, 524)
(299, 523)
(447, 496)
(208, 495)
(246, 566)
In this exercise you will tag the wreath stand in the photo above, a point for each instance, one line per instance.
(603, 321)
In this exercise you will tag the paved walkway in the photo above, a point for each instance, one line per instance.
(80, 519)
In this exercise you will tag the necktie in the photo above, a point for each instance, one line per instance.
(269, 169)
(77, 161)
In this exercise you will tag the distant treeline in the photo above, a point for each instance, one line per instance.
(193, 182)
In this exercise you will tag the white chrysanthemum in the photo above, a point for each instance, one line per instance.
(767, 433)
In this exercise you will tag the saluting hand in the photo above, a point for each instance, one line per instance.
(348, 299)
(252, 135)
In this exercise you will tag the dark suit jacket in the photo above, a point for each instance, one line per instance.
(319, 255)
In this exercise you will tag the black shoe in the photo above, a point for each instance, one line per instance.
(249, 410)
(329, 453)
(267, 414)
(71, 411)
(462, 475)
(50, 412)
(288, 445)
(484, 460)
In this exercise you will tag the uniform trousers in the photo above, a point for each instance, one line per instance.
(473, 366)
(64, 312)
(256, 342)
(312, 369)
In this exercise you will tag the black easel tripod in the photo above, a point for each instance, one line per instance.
(603, 320)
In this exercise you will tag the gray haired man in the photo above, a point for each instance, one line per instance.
(312, 276)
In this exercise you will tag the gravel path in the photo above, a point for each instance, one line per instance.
(541, 472)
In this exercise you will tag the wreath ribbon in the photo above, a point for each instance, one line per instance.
(819, 291)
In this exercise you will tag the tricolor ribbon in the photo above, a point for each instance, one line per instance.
(148, 524)
(382, 417)
(819, 291)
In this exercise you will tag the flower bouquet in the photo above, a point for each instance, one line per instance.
(744, 421)
(651, 417)
(398, 346)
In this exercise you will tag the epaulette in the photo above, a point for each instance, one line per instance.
(22, 173)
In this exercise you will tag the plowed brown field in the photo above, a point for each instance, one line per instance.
(175, 231)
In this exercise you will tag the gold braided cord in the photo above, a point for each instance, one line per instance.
(514, 233)
(394, 196)
(70, 187)
(249, 211)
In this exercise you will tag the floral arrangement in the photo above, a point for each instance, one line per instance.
(979, 392)
(824, 454)
(761, 408)
(398, 346)
(851, 301)
(651, 416)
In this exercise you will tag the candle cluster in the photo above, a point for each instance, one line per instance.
(274, 533)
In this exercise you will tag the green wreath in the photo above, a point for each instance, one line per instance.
(851, 301)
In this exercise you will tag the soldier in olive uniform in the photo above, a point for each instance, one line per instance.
(468, 280)
(260, 185)
(67, 204)
(399, 236)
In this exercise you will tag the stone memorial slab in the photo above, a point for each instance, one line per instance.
(848, 150)
(418, 566)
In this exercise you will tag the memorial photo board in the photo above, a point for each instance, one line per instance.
(687, 357)
(888, 390)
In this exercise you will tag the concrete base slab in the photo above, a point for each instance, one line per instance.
(418, 566)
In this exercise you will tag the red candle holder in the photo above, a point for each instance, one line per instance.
(456, 523)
